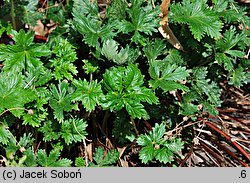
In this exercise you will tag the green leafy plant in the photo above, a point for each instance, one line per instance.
(62, 64)
(199, 18)
(110, 158)
(125, 55)
(100, 159)
(105, 76)
(5, 134)
(167, 76)
(203, 90)
(225, 54)
(123, 129)
(24, 54)
(141, 20)
(52, 159)
(89, 93)
(5, 27)
(60, 99)
(239, 76)
(124, 89)
(73, 130)
(14, 95)
(87, 21)
(156, 145)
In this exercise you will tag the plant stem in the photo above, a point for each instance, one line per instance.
(84, 144)
(11, 109)
(6, 128)
(13, 14)
(134, 125)
(91, 77)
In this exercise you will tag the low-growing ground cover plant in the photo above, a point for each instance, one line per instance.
(98, 83)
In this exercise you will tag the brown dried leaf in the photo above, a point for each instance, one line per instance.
(164, 10)
(123, 163)
(165, 30)
(109, 144)
(51, 26)
(167, 33)
(121, 150)
(39, 28)
(89, 150)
